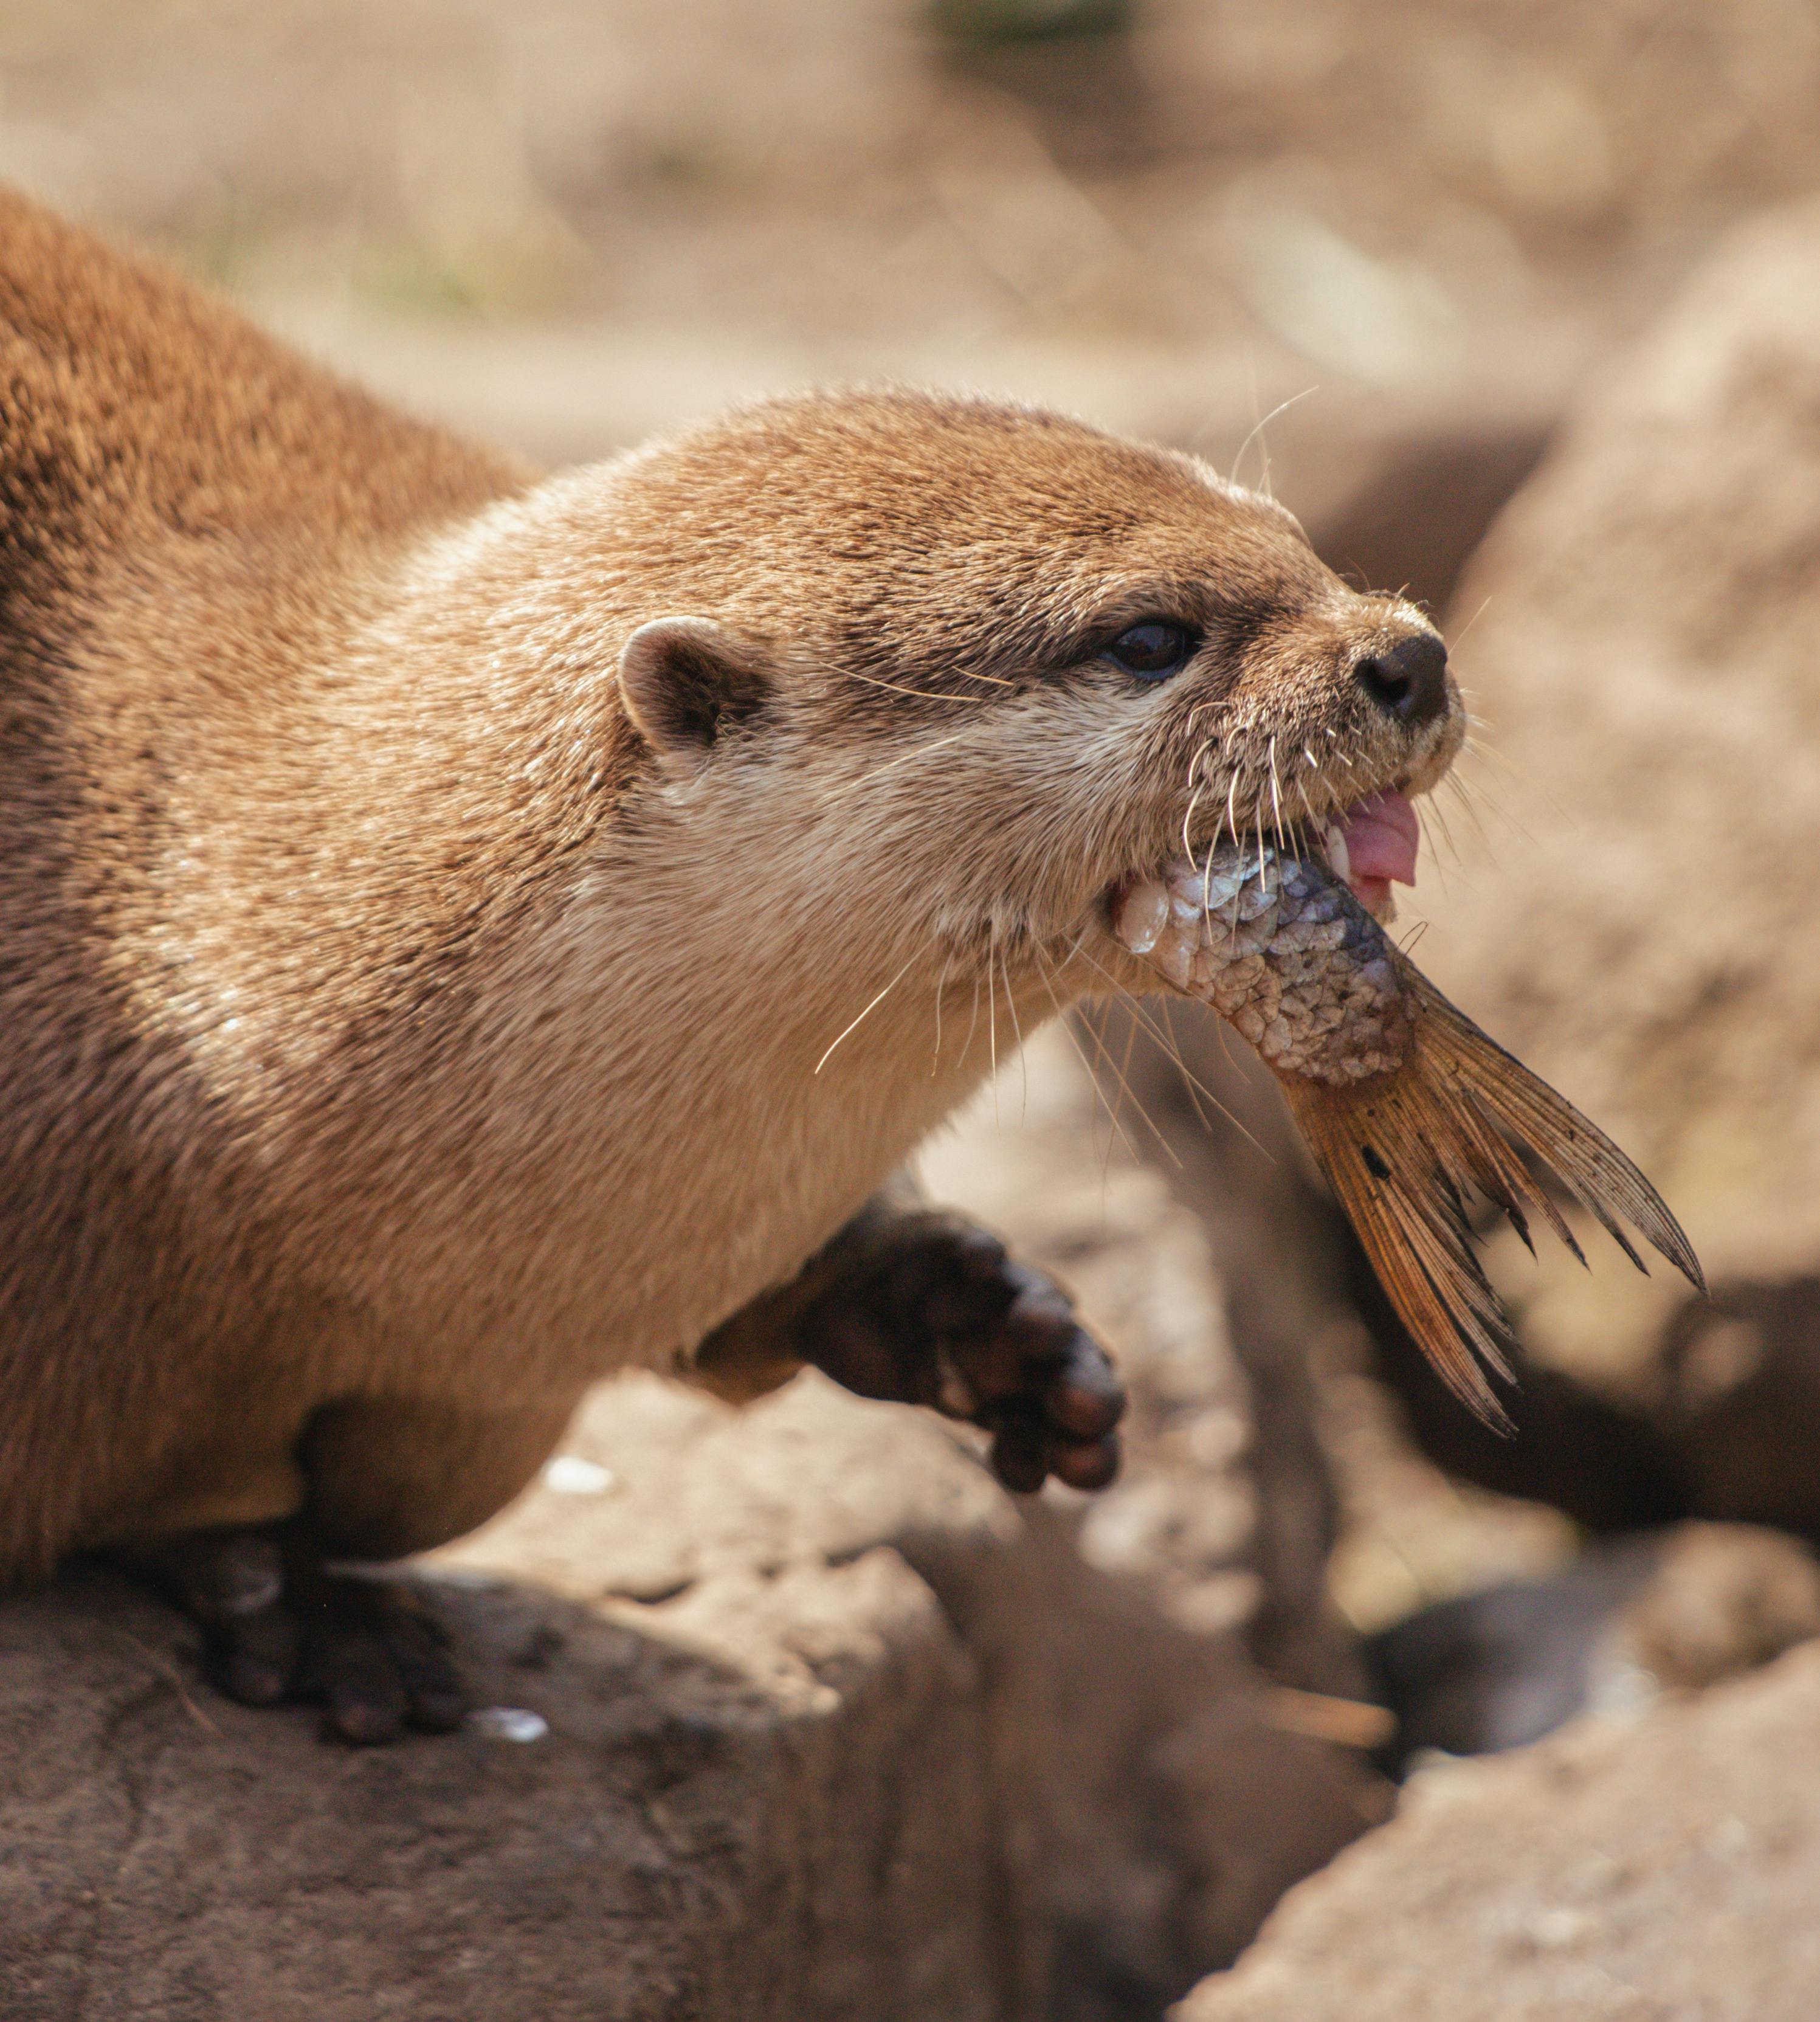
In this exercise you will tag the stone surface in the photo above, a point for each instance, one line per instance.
(1663, 1870)
(833, 1727)
(1634, 918)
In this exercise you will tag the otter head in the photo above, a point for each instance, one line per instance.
(932, 677)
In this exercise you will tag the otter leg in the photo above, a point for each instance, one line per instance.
(283, 1618)
(918, 1307)
(278, 1625)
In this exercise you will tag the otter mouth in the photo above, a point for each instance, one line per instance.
(1372, 846)
(1369, 847)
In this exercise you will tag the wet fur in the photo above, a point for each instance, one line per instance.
(398, 1037)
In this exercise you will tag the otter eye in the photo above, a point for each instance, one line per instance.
(1154, 650)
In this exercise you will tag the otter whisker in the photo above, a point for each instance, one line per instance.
(1101, 1100)
(992, 1014)
(1134, 1006)
(1434, 812)
(972, 1026)
(1016, 1027)
(867, 1012)
(941, 990)
(1188, 823)
(897, 687)
(1454, 644)
(1173, 1049)
(915, 751)
(1422, 817)
(1188, 820)
(1192, 1081)
(1257, 430)
(1465, 792)
(1503, 813)
(1101, 1049)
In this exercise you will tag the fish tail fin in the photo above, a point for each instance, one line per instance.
(1404, 1151)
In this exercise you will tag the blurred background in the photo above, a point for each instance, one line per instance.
(1517, 304)
(577, 219)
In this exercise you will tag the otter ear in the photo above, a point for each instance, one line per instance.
(685, 682)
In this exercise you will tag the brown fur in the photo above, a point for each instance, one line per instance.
(402, 1031)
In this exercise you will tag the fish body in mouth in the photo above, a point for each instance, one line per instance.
(1408, 1107)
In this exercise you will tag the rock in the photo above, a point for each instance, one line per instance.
(1661, 1867)
(1737, 1387)
(794, 1714)
(1632, 921)
(1662, 1612)
(1646, 607)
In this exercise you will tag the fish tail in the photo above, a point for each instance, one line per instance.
(1404, 1151)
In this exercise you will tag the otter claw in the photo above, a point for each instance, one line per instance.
(939, 1315)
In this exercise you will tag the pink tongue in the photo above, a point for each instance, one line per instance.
(1382, 837)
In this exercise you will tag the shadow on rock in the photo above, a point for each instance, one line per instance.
(827, 1726)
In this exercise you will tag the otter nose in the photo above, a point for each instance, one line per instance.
(1409, 681)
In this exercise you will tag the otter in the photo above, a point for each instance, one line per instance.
(464, 931)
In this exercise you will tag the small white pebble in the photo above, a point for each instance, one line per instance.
(568, 1474)
(509, 1724)
(1550, 1929)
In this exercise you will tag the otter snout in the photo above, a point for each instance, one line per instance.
(1409, 681)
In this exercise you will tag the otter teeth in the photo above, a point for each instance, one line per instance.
(1338, 856)
(1144, 913)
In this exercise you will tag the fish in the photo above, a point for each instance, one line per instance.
(1408, 1109)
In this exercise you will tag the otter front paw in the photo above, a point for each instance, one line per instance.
(934, 1312)
(278, 1625)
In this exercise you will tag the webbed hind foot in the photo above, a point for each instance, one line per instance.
(279, 1624)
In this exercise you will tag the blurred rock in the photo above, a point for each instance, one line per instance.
(1028, 20)
(1656, 1612)
(1607, 899)
(1630, 916)
(1634, 918)
(1470, 176)
(1664, 1867)
(830, 1725)
(1413, 514)
(1737, 1388)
